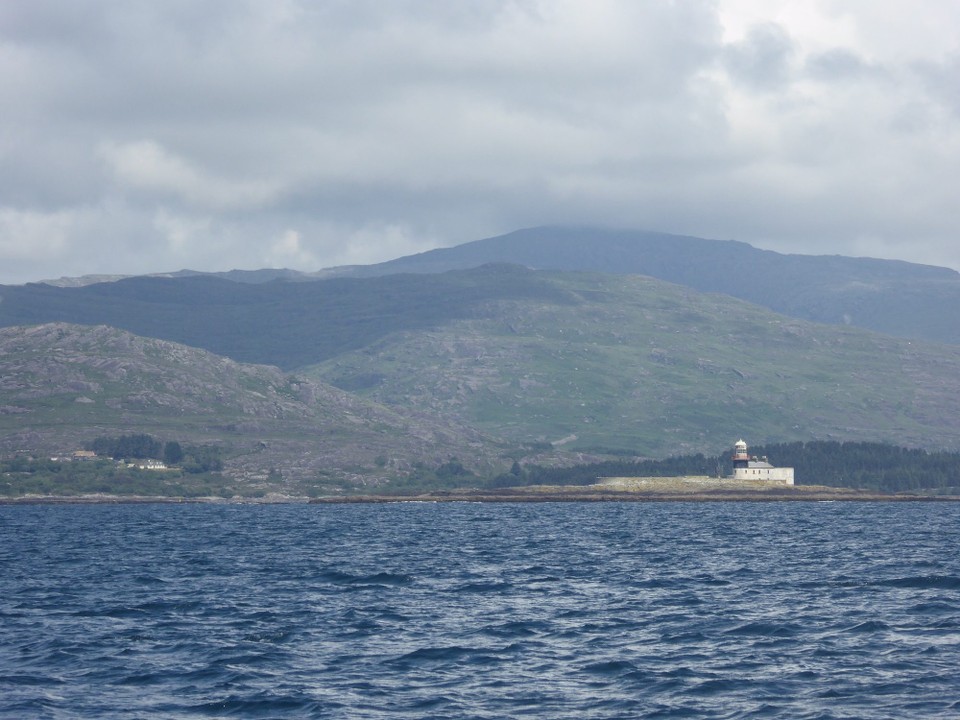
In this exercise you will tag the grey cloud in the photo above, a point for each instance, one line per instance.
(763, 59)
(140, 136)
(841, 64)
(942, 80)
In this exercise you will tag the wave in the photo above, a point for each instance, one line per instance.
(554, 612)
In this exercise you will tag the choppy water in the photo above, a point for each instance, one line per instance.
(781, 610)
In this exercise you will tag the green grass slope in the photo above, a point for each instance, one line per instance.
(632, 364)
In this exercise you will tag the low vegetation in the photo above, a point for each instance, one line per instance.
(22, 475)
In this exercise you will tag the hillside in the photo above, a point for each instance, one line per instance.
(888, 296)
(62, 385)
(631, 364)
(487, 365)
(287, 324)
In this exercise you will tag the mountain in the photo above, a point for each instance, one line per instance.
(277, 323)
(618, 363)
(888, 296)
(608, 362)
(63, 385)
(486, 365)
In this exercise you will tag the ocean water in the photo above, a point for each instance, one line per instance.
(641, 610)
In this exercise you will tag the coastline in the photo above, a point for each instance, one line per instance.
(565, 494)
(108, 499)
(639, 496)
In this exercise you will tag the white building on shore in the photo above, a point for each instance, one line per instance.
(754, 468)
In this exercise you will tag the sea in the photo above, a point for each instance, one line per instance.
(460, 610)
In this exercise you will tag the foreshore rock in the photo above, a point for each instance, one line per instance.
(660, 492)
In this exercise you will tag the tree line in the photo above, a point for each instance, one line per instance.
(864, 465)
(867, 465)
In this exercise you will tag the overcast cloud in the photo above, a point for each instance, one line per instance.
(144, 136)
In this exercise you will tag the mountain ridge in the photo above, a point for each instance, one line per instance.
(894, 297)
(544, 257)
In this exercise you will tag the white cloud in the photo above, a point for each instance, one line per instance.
(181, 233)
(287, 251)
(32, 235)
(147, 167)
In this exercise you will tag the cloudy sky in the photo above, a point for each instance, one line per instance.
(145, 136)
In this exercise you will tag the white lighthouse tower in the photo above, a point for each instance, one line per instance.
(740, 457)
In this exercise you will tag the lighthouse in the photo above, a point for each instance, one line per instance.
(757, 469)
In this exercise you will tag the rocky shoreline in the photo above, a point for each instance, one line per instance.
(656, 496)
(511, 495)
(107, 499)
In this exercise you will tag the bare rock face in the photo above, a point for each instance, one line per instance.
(62, 385)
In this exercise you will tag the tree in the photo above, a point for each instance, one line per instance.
(127, 446)
(172, 453)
